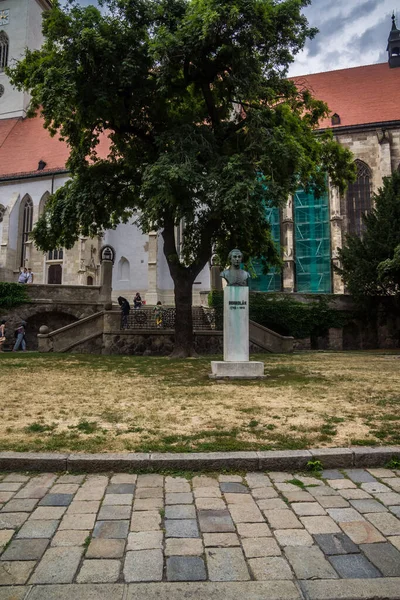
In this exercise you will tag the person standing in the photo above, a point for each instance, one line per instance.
(29, 277)
(125, 310)
(158, 312)
(2, 334)
(137, 301)
(20, 337)
(23, 276)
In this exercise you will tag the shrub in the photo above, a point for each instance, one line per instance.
(12, 294)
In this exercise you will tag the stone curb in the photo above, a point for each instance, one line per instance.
(274, 460)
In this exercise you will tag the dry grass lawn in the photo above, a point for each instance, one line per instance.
(101, 403)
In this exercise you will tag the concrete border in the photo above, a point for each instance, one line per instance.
(273, 460)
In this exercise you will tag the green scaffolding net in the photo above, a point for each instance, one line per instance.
(271, 282)
(312, 243)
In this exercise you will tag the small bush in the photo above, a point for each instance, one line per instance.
(12, 294)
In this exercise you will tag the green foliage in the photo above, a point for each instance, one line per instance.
(287, 316)
(194, 98)
(315, 466)
(394, 463)
(371, 265)
(12, 294)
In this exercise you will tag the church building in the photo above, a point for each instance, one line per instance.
(365, 118)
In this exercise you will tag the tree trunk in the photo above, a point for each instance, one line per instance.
(184, 338)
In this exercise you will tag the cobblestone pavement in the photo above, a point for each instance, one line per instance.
(298, 530)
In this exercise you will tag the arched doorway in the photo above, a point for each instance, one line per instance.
(55, 275)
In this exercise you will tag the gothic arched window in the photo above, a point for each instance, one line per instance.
(4, 44)
(27, 218)
(358, 199)
(2, 211)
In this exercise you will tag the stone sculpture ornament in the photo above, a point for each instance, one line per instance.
(234, 275)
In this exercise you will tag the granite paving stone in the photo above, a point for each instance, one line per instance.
(111, 529)
(310, 481)
(179, 498)
(10, 487)
(5, 496)
(360, 476)
(341, 484)
(183, 547)
(331, 474)
(344, 515)
(230, 479)
(114, 513)
(395, 510)
(56, 500)
(246, 514)
(270, 568)
(385, 522)
(71, 479)
(155, 492)
(16, 572)
(16, 478)
(145, 540)
(99, 571)
(37, 529)
(309, 563)
(210, 504)
(354, 566)
(12, 520)
(375, 487)
(384, 556)
(105, 548)
(183, 528)
(149, 521)
(226, 564)
(45, 513)
(355, 494)
(32, 491)
(205, 492)
(176, 484)
(148, 504)
(180, 511)
(203, 481)
(322, 490)
(92, 493)
(381, 473)
(186, 568)
(123, 478)
(362, 532)
(253, 530)
(333, 502)
(280, 476)
(120, 488)
(307, 509)
(395, 540)
(69, 538)
(233, 488)
(271, 504)
(283, 519)
(319, 525)
(265, 492)
(286, 487)
(5, 537)
(393, 483)
(258, 480)
(220, 540)
(149, 481)
(260, 547)
(58, 565)
(299, 497)
(389, 499)
(368, 506)
(335, 543)
(293, 537)
(77, 522)
(240, 500)
(215, 521)
(67, 488)
(25, 550)
(118, 499)
(26, 505)
(143, 565)
(82, 507)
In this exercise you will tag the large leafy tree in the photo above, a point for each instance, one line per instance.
(370, 265)
(203, 125)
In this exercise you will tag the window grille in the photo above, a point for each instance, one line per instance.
(26, 227)
(358, 199)
(4, 45)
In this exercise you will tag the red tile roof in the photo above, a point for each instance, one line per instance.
(24, 142)
(359, 95)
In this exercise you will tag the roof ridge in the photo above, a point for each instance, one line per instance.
(338, 70)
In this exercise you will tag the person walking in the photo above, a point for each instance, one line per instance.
(2, 334)
(20, 337)
(125, 310)
(29, 277)
(23, 276)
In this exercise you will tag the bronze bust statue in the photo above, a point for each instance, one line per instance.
(234, 275)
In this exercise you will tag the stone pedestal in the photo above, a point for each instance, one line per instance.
(236, 364)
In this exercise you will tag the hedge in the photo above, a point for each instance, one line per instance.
(12, 294)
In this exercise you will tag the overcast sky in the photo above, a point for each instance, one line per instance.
(351, 33)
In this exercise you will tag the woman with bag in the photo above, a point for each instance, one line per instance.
(2, 334)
